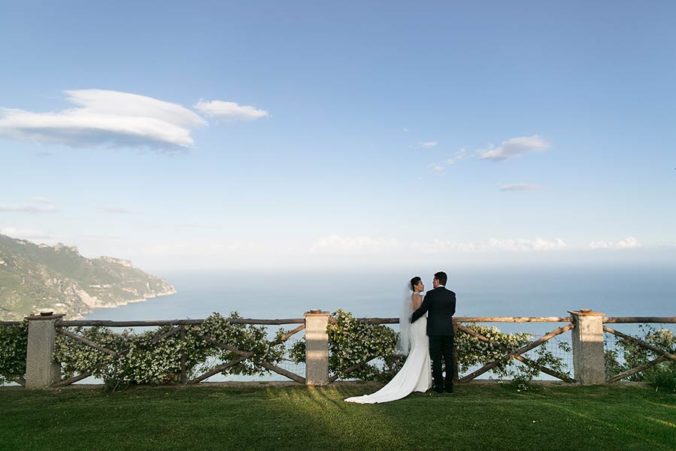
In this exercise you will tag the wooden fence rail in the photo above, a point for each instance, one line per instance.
(518, 353)
(588, 329)
(174, 322)
(640, 319)
(460, 319)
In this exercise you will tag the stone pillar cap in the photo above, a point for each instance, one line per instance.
(316, 312)
(45, 315)
(585, 312)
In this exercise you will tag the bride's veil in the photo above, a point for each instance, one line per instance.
(404, 341)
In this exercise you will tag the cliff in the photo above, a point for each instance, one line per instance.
(34, 277)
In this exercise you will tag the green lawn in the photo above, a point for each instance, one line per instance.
(477, 416)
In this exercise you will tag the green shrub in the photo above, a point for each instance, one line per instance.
(13, 344)
(473, 352)
(628, 354)
(370, 347)
(353, 342)
(663, 378)
(145, 360)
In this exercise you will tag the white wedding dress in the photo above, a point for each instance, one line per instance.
(415, 375)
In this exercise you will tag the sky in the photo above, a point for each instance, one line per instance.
(214, 134)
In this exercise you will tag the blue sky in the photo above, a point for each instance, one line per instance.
(222, 134)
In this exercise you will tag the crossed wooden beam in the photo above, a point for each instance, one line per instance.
(117, 354)
(243, 355)
(349, 369)
(518, 353)
(663, 355)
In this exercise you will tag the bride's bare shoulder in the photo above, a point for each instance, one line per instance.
(416, 300)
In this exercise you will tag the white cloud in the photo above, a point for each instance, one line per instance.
(438, 169)
(459, 155)
(106, 118)
(229, 110)
(517, 245)
(493, 244)
(429, 144)
(520, 187)
(626, 243)
(514, 148)
(336, 244)
(36, 205)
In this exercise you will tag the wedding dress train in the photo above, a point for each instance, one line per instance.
(415, 375)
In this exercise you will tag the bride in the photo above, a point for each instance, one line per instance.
(416, 374)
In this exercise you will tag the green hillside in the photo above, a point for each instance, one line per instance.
(34, 276)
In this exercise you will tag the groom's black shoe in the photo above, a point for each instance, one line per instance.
(438, 388)
(448, 388)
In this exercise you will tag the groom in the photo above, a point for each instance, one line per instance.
(440, 303)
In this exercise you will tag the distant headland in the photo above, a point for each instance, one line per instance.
(37, 276)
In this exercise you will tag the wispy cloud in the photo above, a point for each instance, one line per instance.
(459, 155)
(626, 243)
(521, 187)
(229, 110)
(493, 244)
(514, 148)
(106, 118)
(511, 148)
(428, 144)
(35, 205)
(438, 169)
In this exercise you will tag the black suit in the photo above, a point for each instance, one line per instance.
(440, 307)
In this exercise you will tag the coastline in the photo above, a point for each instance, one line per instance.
(147, 297)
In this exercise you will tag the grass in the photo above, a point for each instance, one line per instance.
(477, 416)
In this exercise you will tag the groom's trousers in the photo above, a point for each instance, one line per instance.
(441, 346)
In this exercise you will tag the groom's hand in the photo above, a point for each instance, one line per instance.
(421, 310)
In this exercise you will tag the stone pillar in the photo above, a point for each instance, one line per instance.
(588, 355)
(41, 371)
(316, 348)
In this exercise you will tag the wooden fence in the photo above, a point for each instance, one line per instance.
(588, 329)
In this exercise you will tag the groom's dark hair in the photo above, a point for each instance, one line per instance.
(441, 277)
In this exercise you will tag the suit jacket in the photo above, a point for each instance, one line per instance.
(440, 305)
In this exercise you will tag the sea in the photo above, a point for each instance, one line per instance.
(620, 290)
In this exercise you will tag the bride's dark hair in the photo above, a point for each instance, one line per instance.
(414, 282)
